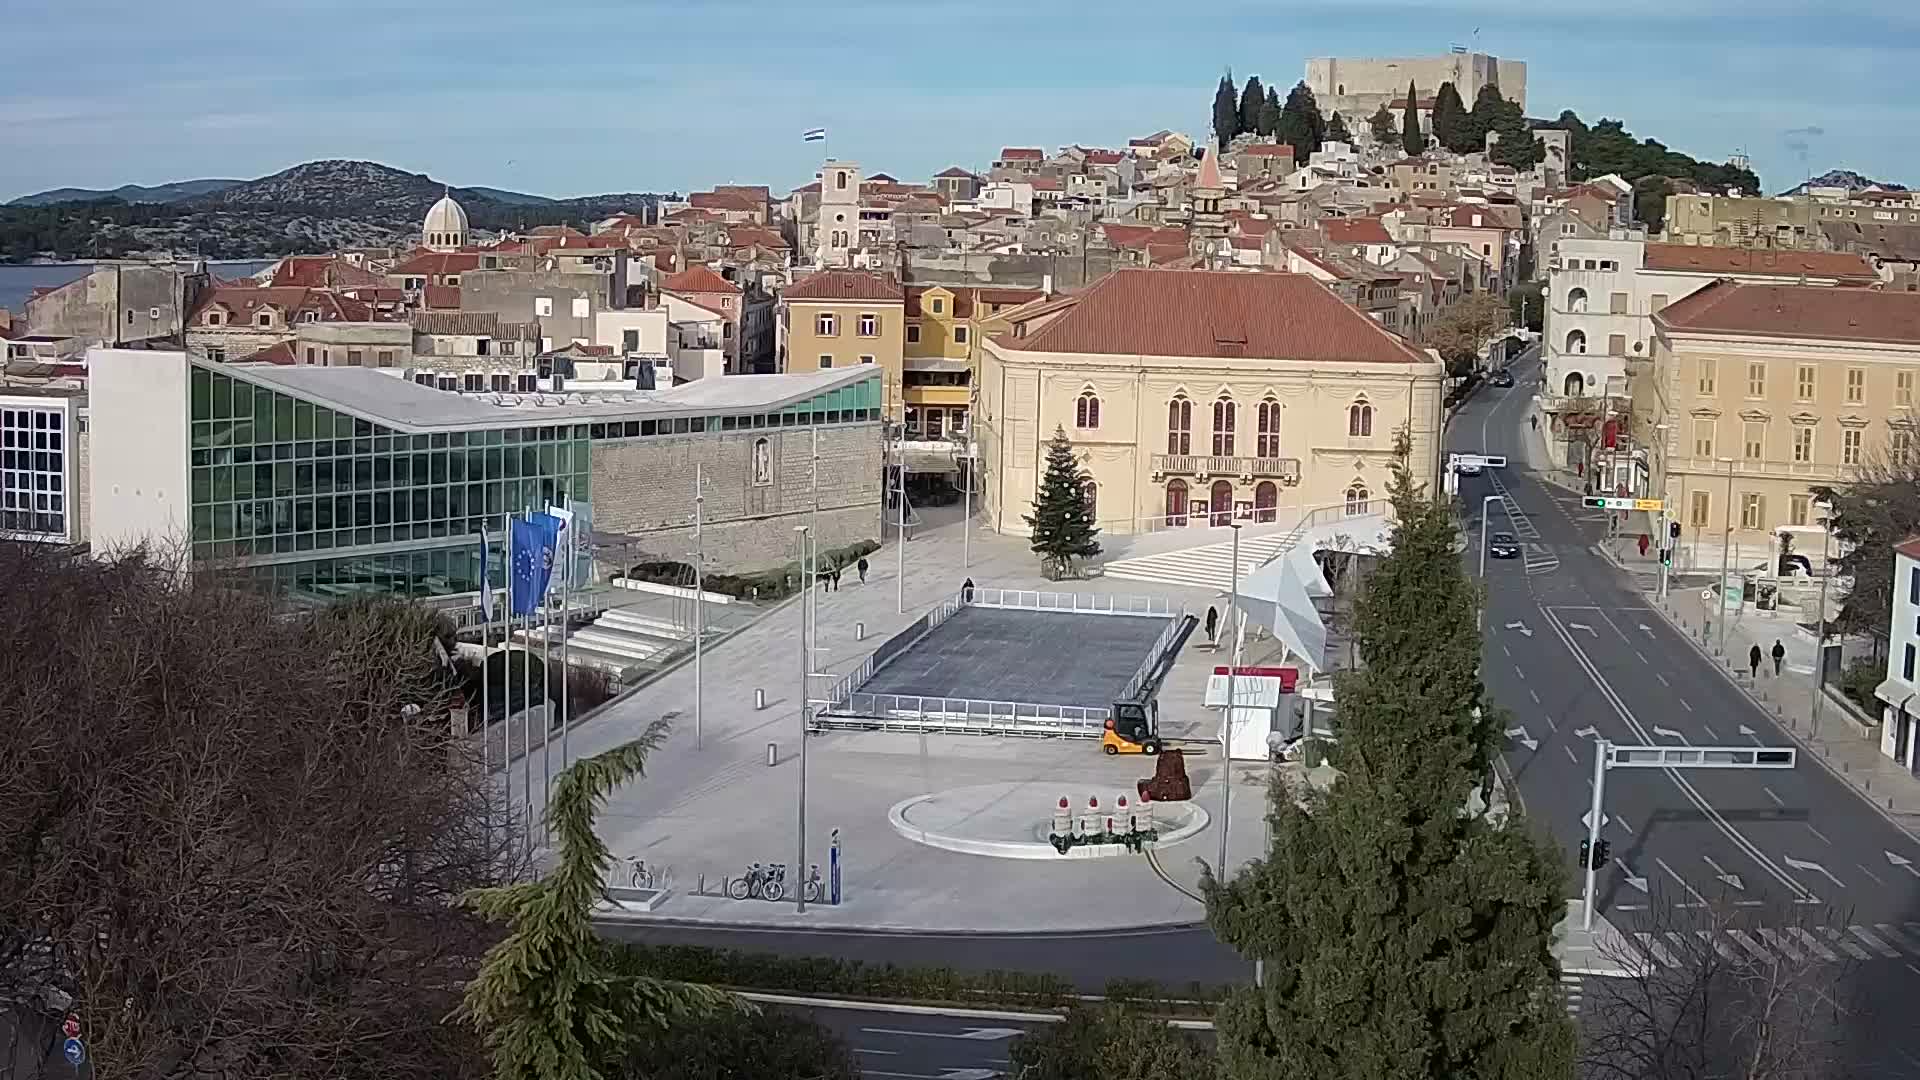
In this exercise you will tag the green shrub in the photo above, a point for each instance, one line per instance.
(1857, 682)
(1110, 1042)
(776, 583)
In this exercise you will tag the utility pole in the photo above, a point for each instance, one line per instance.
(900, 539)
(1726, 561)
(806, 721)
(1226, 721)
(699, 606)
(1820, 637)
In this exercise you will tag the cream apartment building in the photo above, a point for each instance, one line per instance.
(1195, 398)
(1757, 392)
(844, 318)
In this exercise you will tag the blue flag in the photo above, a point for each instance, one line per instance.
(533, 543)
(486, 576)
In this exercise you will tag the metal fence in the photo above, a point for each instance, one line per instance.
(1087, 603)
(843, 687)
(965, 716)
(1155, 654)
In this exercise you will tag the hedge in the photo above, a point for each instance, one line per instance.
(827, 976)
(772, 584)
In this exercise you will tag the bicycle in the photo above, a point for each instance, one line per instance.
(741, 888)
(638, 876)
(812, 888)
(773, 888)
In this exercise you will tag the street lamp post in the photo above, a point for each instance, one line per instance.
(699, 606)
(1486, 504)
(1726, 557)
(1226, 722)
(1820, 649)
(806, 720)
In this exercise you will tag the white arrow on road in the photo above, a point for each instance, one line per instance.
(1583, 626)
(1648, 630)
(1749, 733)
(974, 1034)
(1520, 626)
(1637, 882)
(1730, 879)
(1668, 733)
(1585, 733)
(1902, 863)
(1814, 867)
(1520, 734)
(1587, 820)
(945, 1074)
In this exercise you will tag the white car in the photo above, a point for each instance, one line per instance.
(1468, 468)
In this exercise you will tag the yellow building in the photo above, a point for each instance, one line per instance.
(1196, 398)
(840, 318)
(945, 325)
(1755, 393)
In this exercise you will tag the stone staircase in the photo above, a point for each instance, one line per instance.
(1209, 566)
(621, 642)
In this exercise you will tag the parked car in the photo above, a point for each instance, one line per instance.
(1502, 545)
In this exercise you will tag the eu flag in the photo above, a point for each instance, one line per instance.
(533, 544)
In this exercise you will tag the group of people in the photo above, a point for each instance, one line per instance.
(1754, 657)
(831, 578)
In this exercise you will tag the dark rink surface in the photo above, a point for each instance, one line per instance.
(1041, 657)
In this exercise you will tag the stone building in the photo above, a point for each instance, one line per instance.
(121, 304)
(1196, 398)
(1354, 88)
(846, 318)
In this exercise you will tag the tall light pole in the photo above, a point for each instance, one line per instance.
(1226, 722)
(900, 535)
(1820, 649)
(966, 495)
(806, 721)
(1726, 558)
(1596, 817)
(699, 604)
(1486, 504)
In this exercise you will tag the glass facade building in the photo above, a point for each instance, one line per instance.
(312, 501)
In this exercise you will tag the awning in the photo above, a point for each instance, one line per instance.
(1895, 692)
(935, 363)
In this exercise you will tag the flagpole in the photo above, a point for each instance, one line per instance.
(486, 641)
(699, 610)
(566, 628)
(546, 706)
(526, 734)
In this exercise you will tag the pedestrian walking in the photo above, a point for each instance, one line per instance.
(836, 578)
(966, 591)
(1753, 660)
(862, 565)
(1645, 543)
(1213, 623)
(1534, 420)
(1779, 656)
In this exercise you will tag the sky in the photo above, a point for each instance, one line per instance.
(577, 97)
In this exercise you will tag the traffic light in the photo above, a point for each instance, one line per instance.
(1586, 854)
(1594, 502)
(1600, 856)
(1673, 529)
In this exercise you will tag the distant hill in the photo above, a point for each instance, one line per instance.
(316, 206)
(1845, 178)
(130, 193)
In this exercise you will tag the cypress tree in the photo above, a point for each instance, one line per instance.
(1253, 98)
(1403, 936)
(1062, 518)
(1488, 108)
(1384, 129)
(1300, 125)
(1449, 118)
(1270, 112)
(1337, 130)
(1226, 111)
(1411, 138)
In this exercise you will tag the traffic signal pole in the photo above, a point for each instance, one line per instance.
(1591, 850)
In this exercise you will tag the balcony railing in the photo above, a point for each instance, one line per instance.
(1286, 470)
(1794, 470)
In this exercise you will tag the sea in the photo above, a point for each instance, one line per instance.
(18, 282)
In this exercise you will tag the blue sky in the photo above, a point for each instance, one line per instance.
(575, 97)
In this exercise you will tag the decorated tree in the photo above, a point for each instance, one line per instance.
(1062, 518)
(1405, 933)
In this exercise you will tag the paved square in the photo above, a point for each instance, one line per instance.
(1036, 657)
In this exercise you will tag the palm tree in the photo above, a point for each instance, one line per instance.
(549, 998)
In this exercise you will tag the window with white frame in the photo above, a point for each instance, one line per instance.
(33, 472)
(543, 305)
(582, 307)
(869, 324)
(1086, 411)
(1180, 425)
(826, 325)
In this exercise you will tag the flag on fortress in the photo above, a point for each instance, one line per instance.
(814, 135)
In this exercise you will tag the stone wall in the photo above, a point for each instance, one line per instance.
(1069, 272)
(644, 488)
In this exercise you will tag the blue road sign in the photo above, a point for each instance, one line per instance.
(76, 1052)
(833, 869)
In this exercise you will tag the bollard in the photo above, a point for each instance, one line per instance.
(773, 754)
(759, 698)
(859, 631)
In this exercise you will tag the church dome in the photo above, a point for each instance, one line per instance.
(446, 225)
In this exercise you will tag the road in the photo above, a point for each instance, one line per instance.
(1808, 868)
(918, 1046)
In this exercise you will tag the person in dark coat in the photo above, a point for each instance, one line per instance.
(1213, 623)
(1779, 656)
(862, 566)
(1753, 660)
(966, 591)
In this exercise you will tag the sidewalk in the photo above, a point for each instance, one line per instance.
(1839, 743)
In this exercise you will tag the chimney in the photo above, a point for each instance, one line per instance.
(1046, 284)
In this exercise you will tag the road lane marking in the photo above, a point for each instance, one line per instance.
(1662, 678)
(1520, 671)
(1536, 697)
(1818, 833)
(1779, 941)
(1699, 901)
(885, 1053)
(1899, 939)
(1873, 943)
(1726, 951)
(978, 1034)
(1679, 780)
(1751, 946)
(1813, 868)
(1777, 800)
(1641, 655)
(1571, 757)
(1684, 705)
(1812, 944)
(1652, 947)
(1710, 733)
(1833, 936)
(1551, 725)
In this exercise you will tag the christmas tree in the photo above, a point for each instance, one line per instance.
(1062, 518)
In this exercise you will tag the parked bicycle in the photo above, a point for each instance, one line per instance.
(749, 884)
(813, 889)
(774, 887)
(638, 876)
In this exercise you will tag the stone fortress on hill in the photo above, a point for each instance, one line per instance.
(1355, 88)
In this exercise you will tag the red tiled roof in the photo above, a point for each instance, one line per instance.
(725, 200)
(435, 263)
(554, 230)
(1140, 237)
(1363, 230)
(280, 352)
(844, 285)
(1268, 150)
(1021, 153)
(1045, 183)
(1104, 157)
(742, 235)
(245, 300)
(1910, 547)
(1246, 243)
(815, 186)
(1797, 311)
(698, 279)
(759, 191)
(322, 271)
(1203, 313)
(441, 297)
(1843, 265)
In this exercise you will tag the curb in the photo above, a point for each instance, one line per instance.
(857, 1005)
(1779, 721)
(884, 931)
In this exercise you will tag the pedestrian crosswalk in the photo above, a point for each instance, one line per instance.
(1772, 944)
(1540, 558)
(1572, 990)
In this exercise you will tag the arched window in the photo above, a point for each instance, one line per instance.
(1092, 491)
(1086, 411)
(1577, 301)
(1576, 341)
(1267, 444)
(1176, 502)
(1179, 426)
(1360, 420)
(1266, 502)
(1357, 496)
(1576, 386)
(1224, 414)
(1221, 508)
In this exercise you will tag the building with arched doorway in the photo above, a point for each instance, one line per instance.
(1198, 398)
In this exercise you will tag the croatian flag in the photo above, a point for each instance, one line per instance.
(814, 135)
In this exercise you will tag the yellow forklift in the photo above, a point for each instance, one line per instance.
(1133, 727)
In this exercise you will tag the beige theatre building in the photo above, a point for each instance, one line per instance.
(1195, 398)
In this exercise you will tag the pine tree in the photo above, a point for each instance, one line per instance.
(1449, 118)
(1270, 112)
(1411, 138)
(550, 998)
(1337, 130)
(1403, 936)
(1062, 518)
(1488, 109)
(1300, 125)
(1226, 111)
(1253, 97)
(1384, 129)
